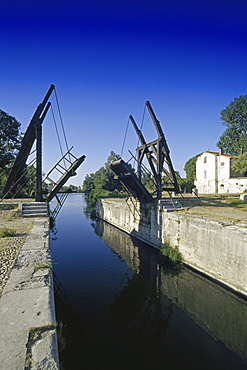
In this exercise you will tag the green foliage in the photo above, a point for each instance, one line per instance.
(182, 183)
(70, 189)
(190, 170)
(171, 252)
(238, 204)
(149, 182)
(240, 164)
(88, 184)
(112, 157)
(90, 210)
(234, 117)
(10, 141)
(5, 232)
(43, 265)
(29, 181)
(9, 144)
(26, 184)
(102, 184)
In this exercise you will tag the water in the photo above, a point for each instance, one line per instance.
(120, 306)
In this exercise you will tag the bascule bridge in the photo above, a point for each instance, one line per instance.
(160, 164)
(65, 167)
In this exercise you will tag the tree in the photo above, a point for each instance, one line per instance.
(27, 183)
(239, 164)
(102, 182)
(148, 181)
(190, 170)
(9, 139)
(112, 157)
(234, 117)
(9, 143)
(88, 184)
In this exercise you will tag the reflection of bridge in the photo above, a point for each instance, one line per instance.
(70, 331)
(138, 307)
(219, 312)
(59, 289)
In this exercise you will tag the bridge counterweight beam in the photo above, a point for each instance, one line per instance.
(27, 142)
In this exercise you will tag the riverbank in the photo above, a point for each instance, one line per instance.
(211, 239)
(28, 326)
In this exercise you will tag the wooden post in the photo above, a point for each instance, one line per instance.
(38, 134)
(27, 143)
(38, 193)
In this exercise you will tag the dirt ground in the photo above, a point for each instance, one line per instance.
(225, 208)
(10, 246)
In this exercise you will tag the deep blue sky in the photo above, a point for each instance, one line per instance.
(188, 58)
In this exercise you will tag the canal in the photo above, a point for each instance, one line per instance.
(120, 305)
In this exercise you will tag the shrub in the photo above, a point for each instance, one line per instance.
(171, 252)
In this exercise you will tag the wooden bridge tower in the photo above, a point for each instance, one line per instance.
(157, 154)
(34, 131)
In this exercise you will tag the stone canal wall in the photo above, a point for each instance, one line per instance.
(28, 338)
(207, 303)
(216, 248)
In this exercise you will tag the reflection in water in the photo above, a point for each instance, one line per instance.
(119, 306)
(217, 310)
(138, 311)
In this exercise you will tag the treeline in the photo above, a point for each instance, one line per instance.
(102, 184)
(10, 141)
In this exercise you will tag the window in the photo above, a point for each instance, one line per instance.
(205, 159)
(222, 163)
(204, 174)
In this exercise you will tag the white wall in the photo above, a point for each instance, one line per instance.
(206, 173)
(213, 175)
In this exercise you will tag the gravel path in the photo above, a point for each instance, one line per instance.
(10, 246)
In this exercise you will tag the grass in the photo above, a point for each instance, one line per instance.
(43, 265)
(11, 224)
(6, 232)
(218, 204)
(4, 207)
(230, 200)
(171, 252)
(9, 212)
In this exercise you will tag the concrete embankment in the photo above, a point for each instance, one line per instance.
(219, 311)
(28, 327)
(216, 248)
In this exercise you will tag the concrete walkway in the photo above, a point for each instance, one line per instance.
(28, 338)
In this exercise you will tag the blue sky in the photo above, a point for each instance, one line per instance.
(188, 58)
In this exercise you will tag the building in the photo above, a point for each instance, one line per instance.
(215, 175)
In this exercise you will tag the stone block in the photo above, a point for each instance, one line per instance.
(243, 197)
